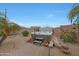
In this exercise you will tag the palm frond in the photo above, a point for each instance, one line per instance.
(73, 13)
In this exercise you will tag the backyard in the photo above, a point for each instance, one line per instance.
(17, 39)
(18, 46)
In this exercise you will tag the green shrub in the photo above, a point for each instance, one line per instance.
(0, 33)
(25, 33)
(69, 37)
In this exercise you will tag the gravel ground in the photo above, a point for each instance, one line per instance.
(17, 46)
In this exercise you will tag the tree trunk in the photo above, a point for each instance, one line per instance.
(2, 39)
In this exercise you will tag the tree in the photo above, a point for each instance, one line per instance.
(74, 14)
(74, 17)
(6, 27)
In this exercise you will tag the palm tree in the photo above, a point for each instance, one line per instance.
(74, 14)
(6, 27)
(74, 17)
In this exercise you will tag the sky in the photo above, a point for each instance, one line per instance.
(37, 14)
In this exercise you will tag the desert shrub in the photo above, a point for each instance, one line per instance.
(69, 37)
(0, 33)
(25, 33)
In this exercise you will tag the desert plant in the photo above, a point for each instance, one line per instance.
(69, 37)
(74, 17)
(14, 28)
(25, 33)
(4, 27)
(0, 33)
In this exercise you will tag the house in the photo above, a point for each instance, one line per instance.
(35, 28)
(43, 35)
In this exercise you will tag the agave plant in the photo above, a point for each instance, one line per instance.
(6, 27)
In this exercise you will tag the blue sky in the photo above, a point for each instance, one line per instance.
(30, 14)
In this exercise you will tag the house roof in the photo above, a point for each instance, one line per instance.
(42, 33)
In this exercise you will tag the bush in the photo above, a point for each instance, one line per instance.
(25, 33)
(0, 33)
(69, 37)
